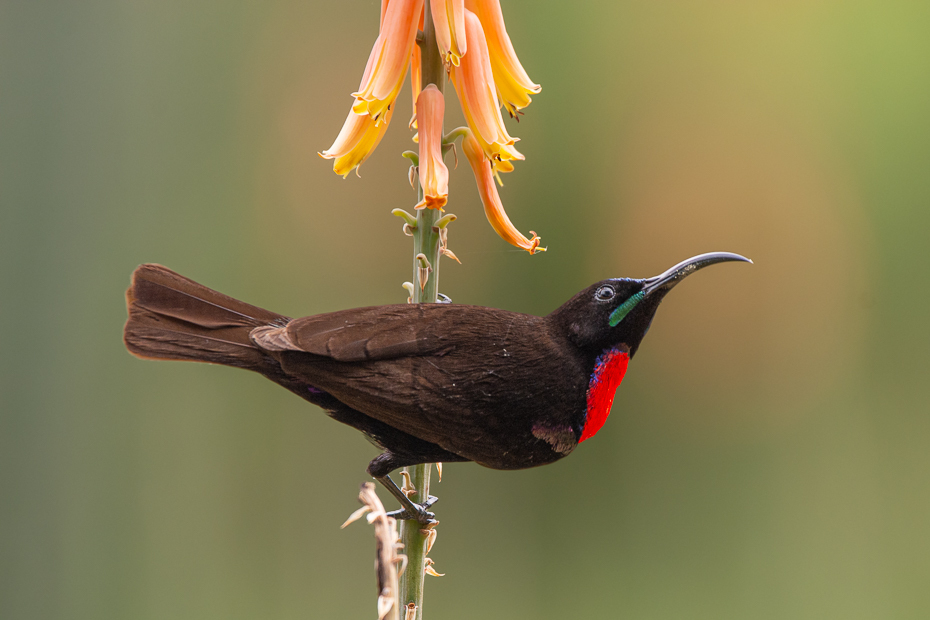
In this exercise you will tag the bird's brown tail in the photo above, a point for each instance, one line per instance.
(174, 318)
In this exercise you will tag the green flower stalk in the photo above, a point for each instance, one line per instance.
(466, 41)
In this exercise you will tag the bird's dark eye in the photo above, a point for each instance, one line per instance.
(605, 293)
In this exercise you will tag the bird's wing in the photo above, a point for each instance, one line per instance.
(466, 378)
(360, 334)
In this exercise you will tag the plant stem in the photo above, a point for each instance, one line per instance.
(432, 71)
(425, 241)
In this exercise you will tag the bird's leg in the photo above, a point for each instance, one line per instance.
(409, 510)
(408, 488)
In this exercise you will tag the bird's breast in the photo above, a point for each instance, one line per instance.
(609, 370)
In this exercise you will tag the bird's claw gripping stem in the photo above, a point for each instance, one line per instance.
(421, 515)
(409, 510)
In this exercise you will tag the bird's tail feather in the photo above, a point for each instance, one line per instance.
(174, 318)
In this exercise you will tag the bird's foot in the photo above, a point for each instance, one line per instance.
(417, 513)
(409, 510)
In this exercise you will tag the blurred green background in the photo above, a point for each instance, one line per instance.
(768, 455)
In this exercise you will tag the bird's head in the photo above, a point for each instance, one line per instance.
(619, 311)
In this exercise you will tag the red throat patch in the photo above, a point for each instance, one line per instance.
(608, 373)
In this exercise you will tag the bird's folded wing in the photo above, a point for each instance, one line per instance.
(461, 377)
(358, 335)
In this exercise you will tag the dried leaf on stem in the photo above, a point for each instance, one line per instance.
(386, 556)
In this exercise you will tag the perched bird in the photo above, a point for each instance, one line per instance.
(424, 382)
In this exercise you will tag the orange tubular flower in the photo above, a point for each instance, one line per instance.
(513, 84)
(434, 176)
(359, 136)
(389, 58)
(493, 207)
(474, 82)
(449, 20)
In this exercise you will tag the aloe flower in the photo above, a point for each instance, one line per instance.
(513, 84)
(474, 82)
(383, 77)
(434, 176)
(493, 208)
(359, 136)
(390, 57)
(449, 21)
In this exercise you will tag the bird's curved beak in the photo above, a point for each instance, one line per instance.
(668, 279)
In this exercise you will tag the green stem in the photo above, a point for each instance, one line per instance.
(432, 70)
(425, 241)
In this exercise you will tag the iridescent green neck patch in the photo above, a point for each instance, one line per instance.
(624, 309)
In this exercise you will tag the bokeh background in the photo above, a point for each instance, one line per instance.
(768, 455)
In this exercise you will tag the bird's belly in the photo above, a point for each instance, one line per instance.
(509, 408)
(513, 428)
(533, 453)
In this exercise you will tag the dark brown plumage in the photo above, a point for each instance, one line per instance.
(425, 382)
